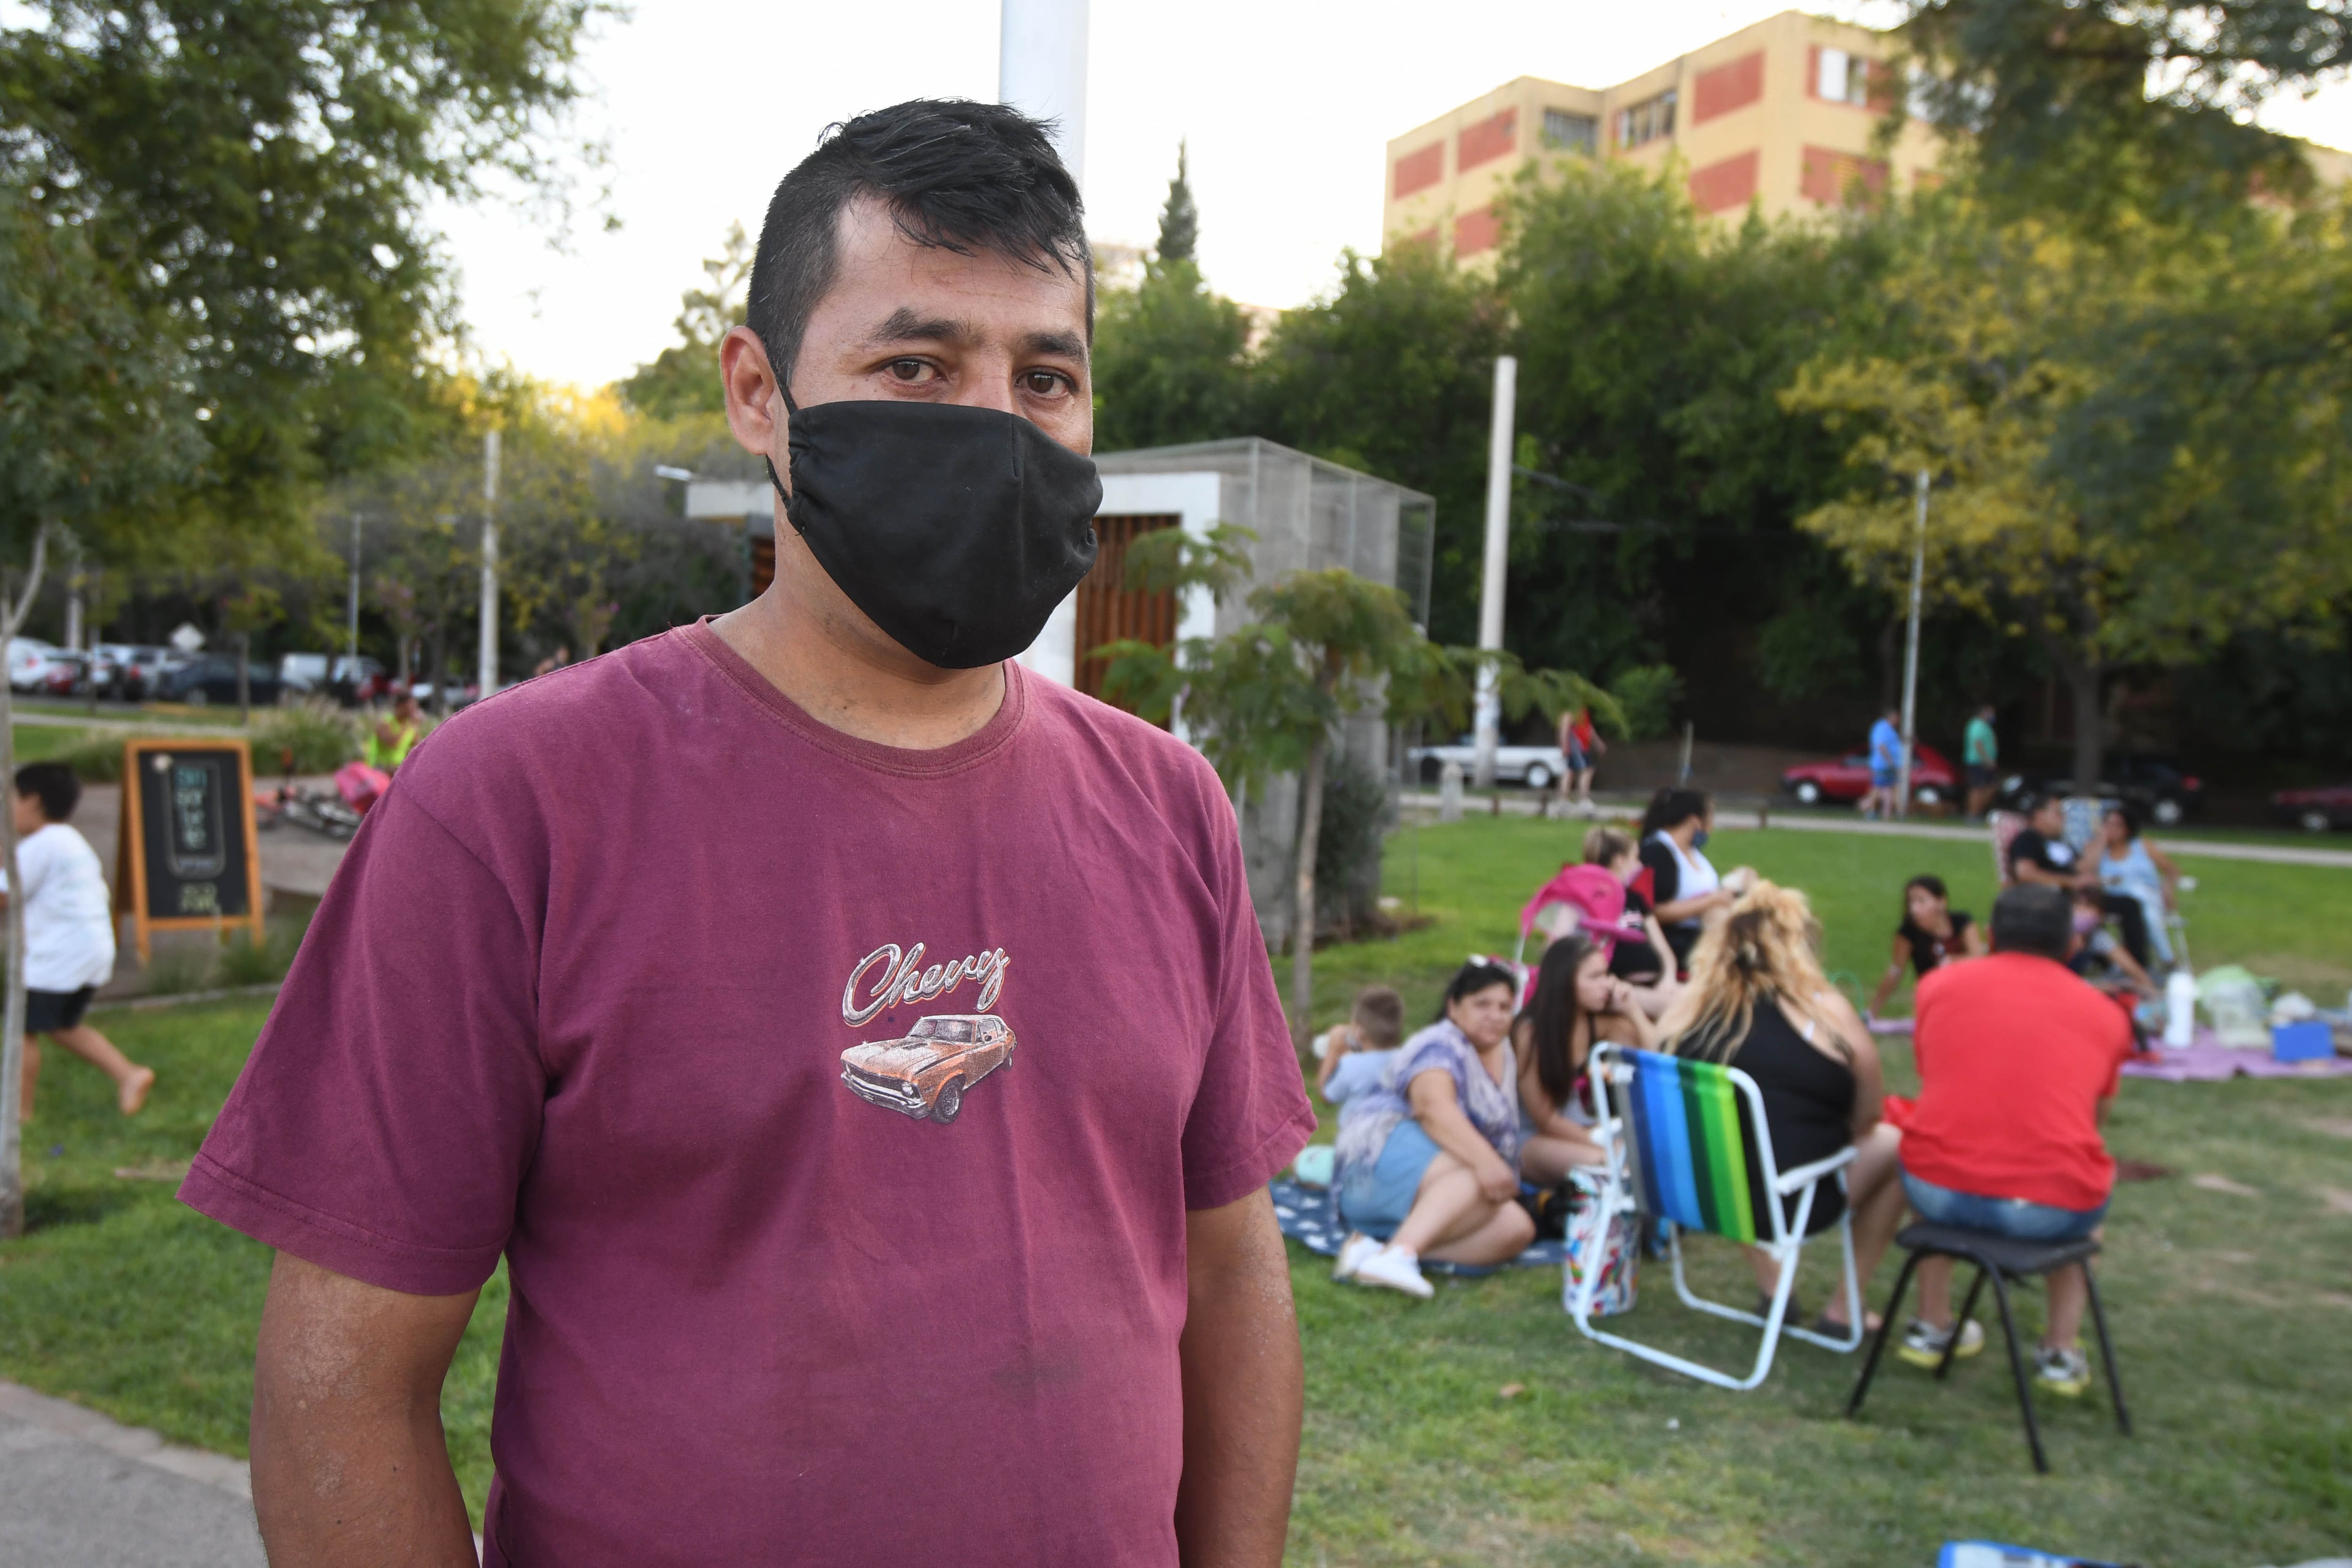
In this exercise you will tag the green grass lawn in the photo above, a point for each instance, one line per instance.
(2233, 1311)
(38, 742)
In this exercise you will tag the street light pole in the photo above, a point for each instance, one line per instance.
(351, 615)
(1498, 545)
(487, 677)
(1911, 654)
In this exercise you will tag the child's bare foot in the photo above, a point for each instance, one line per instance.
(132, 1096)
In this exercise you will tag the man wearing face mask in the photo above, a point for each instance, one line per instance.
(861, 1052)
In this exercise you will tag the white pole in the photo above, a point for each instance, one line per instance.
(488, 676)
(353, 610)
(1911, 655)
(1040, 70)
(1498, 545)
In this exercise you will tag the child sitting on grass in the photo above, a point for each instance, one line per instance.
(68, 935)
(1357, 1053)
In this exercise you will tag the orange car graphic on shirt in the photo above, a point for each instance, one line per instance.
(927, 1071)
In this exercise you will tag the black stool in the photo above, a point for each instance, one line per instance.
(2000, 1259)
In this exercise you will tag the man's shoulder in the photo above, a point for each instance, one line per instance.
(1093, 734)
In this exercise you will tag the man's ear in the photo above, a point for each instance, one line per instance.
(755, 411)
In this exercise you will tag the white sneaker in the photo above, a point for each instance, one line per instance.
(1394, 1270)
(1352, 1253)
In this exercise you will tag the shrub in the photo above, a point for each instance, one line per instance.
(95, 758)
(1348, 850)
(319, 734)
(1647, 692)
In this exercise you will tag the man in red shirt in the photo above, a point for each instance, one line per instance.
(861, 1052)
(2018, 1058)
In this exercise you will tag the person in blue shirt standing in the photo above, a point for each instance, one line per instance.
(1981, 755)
(1886, 767)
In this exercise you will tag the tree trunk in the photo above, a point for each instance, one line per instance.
(2083, 676)
(1302, 923)
(12, 1023)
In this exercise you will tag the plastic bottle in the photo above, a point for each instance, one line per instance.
(2179, 1009)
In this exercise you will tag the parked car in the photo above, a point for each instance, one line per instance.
(66, 669)
(137, 667)
(28, 662)
(302, 672)
(2158, 788)
(353, 683)
(2320, 810)
(1847, 778)
(1538, 767)
(211, 677)
(927, 1072)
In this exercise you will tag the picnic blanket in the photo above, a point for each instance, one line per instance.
(1311, 1217)
(2208, 1060)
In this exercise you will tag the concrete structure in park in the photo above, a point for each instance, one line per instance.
(1307, 514)
(1781, 113)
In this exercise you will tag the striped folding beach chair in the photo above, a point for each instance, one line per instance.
(1677, 1134)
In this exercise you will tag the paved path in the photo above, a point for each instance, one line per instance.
(2209, 848)
(83, 1491)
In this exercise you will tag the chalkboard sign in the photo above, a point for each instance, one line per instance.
(187, 857)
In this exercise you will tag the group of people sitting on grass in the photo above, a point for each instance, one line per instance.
(1447, 1138)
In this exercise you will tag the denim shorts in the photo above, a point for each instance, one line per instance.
(1883, 778)
(1375, 1201)
(2012, 1217)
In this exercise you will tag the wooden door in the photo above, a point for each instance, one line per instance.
(1108, 611)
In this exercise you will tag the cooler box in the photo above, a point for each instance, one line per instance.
(2309, 1041)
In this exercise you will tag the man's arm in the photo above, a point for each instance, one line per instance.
(1244, 1387)
(350, 1466)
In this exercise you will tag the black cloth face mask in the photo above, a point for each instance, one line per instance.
(955, 530)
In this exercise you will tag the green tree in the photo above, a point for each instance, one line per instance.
(254, 182)
(1390, 372)
(2005, 373)
(1180, 220)
(2085, 111)
(684, 378)
(1168, 363)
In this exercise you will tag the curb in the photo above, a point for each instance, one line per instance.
(138, 1442)
(181, 998)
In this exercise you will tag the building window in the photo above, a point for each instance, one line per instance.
(1419, 171)
(1835, 179)
(1719, 187)
(1842, 77)
(1488, 140)
(1733, 85)
(1477, 231)
(1646, 120)
(1566, 132)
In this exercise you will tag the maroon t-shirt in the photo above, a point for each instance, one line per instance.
(628, 978)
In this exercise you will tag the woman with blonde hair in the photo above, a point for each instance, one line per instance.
(1757, 1000)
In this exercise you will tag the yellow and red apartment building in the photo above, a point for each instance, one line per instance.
(1782, 113)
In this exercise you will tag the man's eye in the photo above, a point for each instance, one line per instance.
(908, 369)
(1046, 383)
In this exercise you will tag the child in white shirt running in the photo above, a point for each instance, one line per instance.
(69, 934)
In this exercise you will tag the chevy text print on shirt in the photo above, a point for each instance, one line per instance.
(903, 979)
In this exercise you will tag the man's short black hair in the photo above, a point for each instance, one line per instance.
(2034, 917)
(55, 782)
(954, 175)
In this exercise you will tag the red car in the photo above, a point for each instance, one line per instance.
(1848, 778)
(2315, 810)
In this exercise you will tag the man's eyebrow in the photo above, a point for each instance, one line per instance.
(1068, 345)
(904, 325)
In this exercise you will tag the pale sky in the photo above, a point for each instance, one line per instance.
(1288, 106)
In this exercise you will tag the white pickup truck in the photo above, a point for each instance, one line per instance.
(1538, 767)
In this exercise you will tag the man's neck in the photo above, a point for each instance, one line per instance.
(839, 668)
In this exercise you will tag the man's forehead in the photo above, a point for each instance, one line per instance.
(896, 289)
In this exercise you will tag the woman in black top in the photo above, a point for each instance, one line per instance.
(1757, 1000)
(1932, 934)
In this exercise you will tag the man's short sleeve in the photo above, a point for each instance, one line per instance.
(1250, 1116)
(381, 1128)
